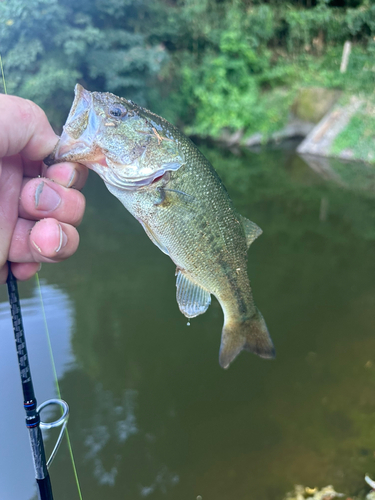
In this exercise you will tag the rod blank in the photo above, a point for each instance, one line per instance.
(30, 404)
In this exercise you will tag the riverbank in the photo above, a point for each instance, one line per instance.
(329, 123)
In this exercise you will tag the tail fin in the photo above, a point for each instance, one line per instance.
(251, 334)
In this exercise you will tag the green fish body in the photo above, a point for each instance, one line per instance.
(173, 191)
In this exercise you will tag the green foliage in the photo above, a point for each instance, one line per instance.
(233, 73)
(361, 21)
(358, 137)
(306, 69)
(223, 83)
(208, 65)
(49, 45)
(309, 29)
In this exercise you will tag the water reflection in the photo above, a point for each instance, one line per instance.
(348, 175)
(16, 469)
(112, 423)
(163, 481)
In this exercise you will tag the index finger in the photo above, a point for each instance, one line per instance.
(24, 128)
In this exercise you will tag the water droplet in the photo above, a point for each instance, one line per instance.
(188, 323)
(199, 497)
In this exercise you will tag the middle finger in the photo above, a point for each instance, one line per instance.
(41, 198)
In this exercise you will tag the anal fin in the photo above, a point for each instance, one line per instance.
(192, 299)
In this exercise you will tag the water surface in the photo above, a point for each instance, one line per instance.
(152, 413)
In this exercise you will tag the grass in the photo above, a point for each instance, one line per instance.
(358, 137)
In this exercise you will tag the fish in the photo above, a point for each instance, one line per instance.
(168, 185)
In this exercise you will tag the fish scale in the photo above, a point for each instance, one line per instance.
(173, 191)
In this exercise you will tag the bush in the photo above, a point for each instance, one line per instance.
(47, 46)
(206, 64)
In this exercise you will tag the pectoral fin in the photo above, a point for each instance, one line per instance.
(252, 231)
(182, 196)
(192, 299)
(153, 237)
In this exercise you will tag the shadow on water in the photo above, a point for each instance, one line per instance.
(152, 413)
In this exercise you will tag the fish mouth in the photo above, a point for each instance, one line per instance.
(82, 116)
(77, 139)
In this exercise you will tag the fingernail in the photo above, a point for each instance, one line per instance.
(73, 179)
(63, 239)
(46, 198)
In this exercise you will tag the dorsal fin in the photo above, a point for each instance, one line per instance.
(192, 299)
(252, 231)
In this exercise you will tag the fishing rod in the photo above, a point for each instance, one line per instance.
(34, 423)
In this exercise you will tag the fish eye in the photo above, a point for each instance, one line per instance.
(117, 111)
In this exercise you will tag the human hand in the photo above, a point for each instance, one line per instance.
(38, 209)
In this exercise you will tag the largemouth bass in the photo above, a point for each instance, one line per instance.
(164, 181)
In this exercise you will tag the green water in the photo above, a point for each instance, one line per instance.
(152, 413)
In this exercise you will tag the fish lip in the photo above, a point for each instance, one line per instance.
(81, 111)
(81, 92)
(68, 146)
(82, 102)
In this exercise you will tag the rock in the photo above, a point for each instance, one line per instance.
(231, 139)
(312, 103)
(295, 128)
(319, 141)
(254, 140)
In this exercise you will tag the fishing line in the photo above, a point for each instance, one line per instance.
(2, 74)
(57, 382)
